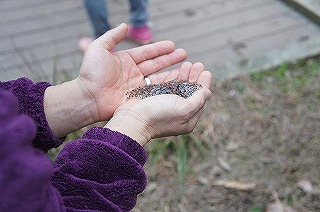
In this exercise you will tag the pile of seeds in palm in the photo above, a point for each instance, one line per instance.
(181, 88)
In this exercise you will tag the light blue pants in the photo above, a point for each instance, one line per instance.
(97, 11)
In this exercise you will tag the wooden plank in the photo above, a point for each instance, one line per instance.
(38, 11)
(310, 8)
(244, 56)
(212, 26)
(53, 35)
(12, 5)
(12, 58)
(51, 50)
(43, 23)
(5, 45)
(219, 39)
(199, 15)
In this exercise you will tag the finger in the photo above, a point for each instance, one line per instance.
(196, 70)
(150, 51)
(114, 36)
(198, 99)
(165, 76)
(185, 70)
(205, 79)
(161, 62)
(161, 77)
(173, 75)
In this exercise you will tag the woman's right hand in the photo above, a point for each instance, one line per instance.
(164, 115)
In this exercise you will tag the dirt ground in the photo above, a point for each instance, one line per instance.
(262, 136)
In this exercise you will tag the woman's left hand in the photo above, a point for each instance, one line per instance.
(105, 77)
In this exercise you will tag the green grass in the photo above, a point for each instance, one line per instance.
(257, 209)
(178, 146)
(306, 72)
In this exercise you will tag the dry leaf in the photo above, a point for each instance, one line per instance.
(223, 164)
(232, 146)
(235, 185)
(306, 186)
(279, 207)
(151, 187)
(203, 180)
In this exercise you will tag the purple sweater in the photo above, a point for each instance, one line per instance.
(103, 171)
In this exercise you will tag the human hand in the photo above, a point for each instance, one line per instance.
(105, 77)
(164, 115)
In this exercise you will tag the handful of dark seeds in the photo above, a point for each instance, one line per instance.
(184, 89)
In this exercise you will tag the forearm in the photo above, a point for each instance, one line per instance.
(30, 97)
(67, 108)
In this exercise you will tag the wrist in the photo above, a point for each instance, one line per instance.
(67, 108)
(130, 124)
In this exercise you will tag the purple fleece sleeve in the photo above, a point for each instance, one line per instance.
(25, 172)
(30, 96)
(102, 172)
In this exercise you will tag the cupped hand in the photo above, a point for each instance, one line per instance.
(164, 115)
(105, 77)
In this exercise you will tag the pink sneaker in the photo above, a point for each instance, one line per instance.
(141, 35)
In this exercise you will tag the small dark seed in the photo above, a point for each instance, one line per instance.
(184, 89)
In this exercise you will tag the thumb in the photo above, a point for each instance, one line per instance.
(113, 37)
(198, 99)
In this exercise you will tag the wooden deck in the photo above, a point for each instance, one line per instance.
(38, 38)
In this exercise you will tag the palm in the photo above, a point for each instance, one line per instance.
(108, 80)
